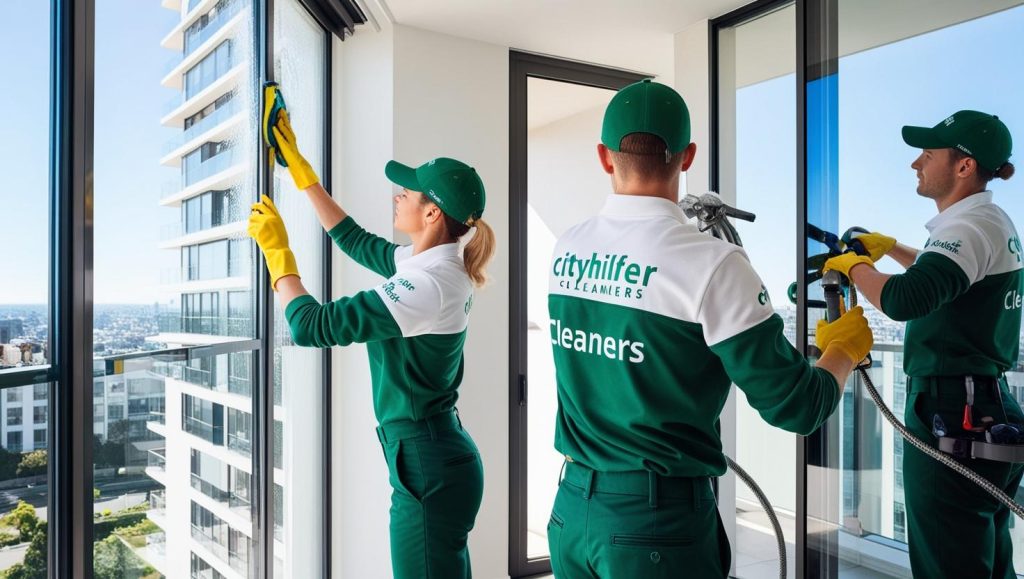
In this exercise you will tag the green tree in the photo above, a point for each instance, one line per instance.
(33, 463)
(8, 464)
(24, 519)
(34, 564)
(112, 559)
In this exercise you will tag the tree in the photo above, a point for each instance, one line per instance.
(33, 463)
(8, 464)
(34, 564)
(24, 519)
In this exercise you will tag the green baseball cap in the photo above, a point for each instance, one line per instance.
(647, 107)
(453, 185)
(980, 135)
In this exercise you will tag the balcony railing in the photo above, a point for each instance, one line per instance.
(157, 458)
(158, 417)
(197, 38)
(205, 325)
(209, 75)
(217, 117)
(238, 561)
(210, 490)
(240, 445)
(211, 433)
(208, 168)
(158, 502)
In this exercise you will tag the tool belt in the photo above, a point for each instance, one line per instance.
(979, 438)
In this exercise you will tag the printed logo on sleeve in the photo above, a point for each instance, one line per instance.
(610, 275)
(1013, 244)
(469, 304)
(1012, 300)
(763, 298)
(390, 287)
(950, 246)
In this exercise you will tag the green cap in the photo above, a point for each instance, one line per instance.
(647, 107)
(453, 185)
(980, 135)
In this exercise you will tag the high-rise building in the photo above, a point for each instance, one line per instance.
(204, 462)
(10, 329)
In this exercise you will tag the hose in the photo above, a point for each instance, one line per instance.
(937, 454)
(780, 540)
(928, 449)
(710, 210)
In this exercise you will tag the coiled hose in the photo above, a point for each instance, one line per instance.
(780, 541)
(928, 449)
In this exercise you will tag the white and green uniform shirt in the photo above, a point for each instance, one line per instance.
(651, 323)
(413, 324)
(963, 294)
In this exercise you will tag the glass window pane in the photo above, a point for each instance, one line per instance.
(164, 288)
(23, 475)
(562, 120)
(25, 194)
(871, 184)
(299, 45)
(24, 290)
(756, 60)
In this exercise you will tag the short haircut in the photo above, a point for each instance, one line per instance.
(646, 157)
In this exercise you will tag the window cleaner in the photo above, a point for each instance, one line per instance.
(979, 437)
(711, 214)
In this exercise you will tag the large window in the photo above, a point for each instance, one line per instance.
(756, 72)
(558, 119)
(300, 47)
(861, 176)
(25, 290)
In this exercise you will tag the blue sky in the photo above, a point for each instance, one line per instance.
(916, 81)
(129, 139)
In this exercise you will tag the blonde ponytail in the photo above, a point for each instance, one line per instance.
(478, 252)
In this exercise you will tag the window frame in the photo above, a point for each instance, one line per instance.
(69, 375)
(522, 66)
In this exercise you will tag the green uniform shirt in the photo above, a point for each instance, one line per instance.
(413, 324)
(651, 323)
(963, 294)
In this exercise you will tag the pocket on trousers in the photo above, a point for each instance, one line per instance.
(403, 466)
(461, 460)
(555, 527)
(652, 557)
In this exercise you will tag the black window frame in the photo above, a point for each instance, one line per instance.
(816, 56)
(69, 375)
(522, 66)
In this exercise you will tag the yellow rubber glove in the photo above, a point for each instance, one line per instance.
(849, 334)
(877, 244)
(267, 228)
(845, 262)
(302, 173)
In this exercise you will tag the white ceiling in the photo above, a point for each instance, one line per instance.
(634, 35)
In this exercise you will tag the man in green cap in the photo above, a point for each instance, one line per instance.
(962, 296)
(651, 323)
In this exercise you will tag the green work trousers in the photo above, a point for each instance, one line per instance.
(955, 528)
(437, 477)
(635, 525)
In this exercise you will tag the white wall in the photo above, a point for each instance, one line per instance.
(413, 95)
(363, 137)
(691, 80)
(565, 179)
